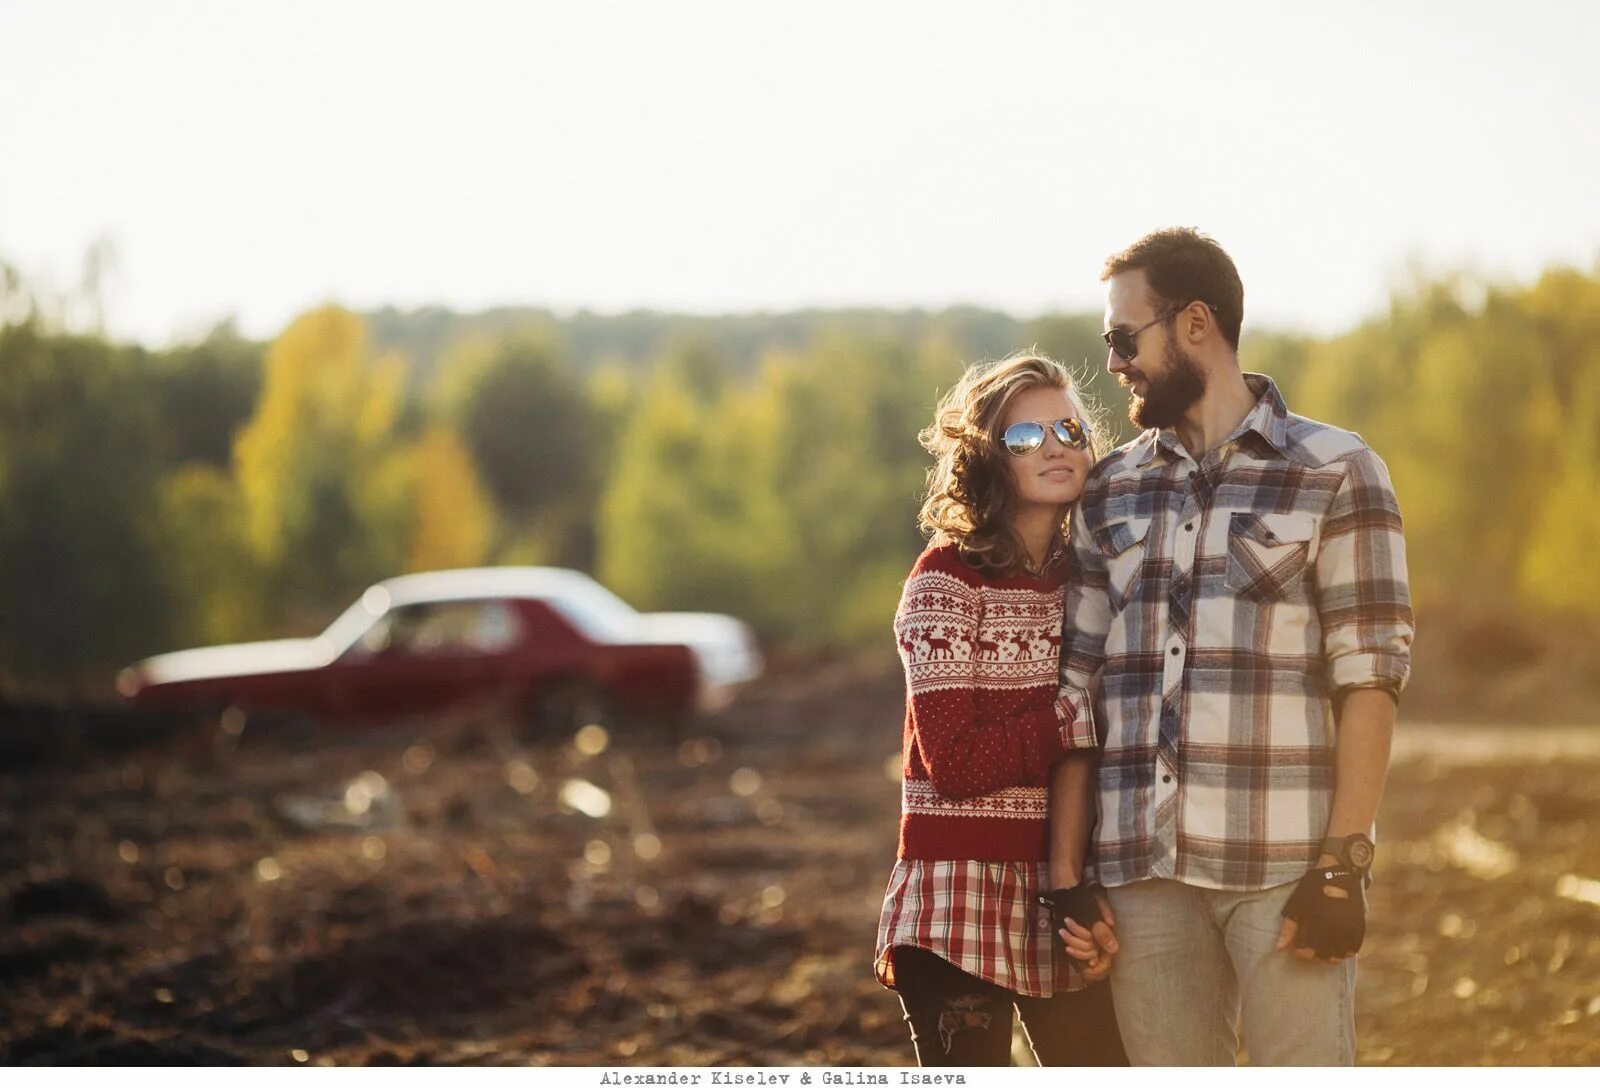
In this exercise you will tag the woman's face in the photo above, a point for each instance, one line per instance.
(1052, 475)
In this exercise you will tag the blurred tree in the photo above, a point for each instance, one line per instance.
(1283, 356)
(1483, 403)
(206, 393)
(639, 339)
(80, 583)
(324, 485)
(850, 471)
(790, 501)
(453, 519)
(766, 466)
(16, 301)
(658, 547)
(100, 267)
(531, 430)
(610, 390)
(219, 592)
(1560, 429)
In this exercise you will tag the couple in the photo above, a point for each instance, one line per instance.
(1145, 743)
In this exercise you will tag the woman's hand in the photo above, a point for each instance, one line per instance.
(1093, 947)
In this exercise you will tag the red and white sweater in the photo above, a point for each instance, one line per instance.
(983, 722)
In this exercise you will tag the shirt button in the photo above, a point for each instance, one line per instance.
(1174, 651)
(1166, 778)
(1189, 527)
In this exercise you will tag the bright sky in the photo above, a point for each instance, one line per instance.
(255, 159)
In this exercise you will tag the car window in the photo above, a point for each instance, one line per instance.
(445, 627)
(601, 615)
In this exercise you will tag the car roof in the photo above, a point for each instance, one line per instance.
(478, 583)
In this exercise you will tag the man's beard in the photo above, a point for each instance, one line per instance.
(1182, 382)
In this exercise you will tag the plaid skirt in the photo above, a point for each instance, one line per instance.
(981, 916)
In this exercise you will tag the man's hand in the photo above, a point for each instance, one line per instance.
(1326, 917)
(1081, 916)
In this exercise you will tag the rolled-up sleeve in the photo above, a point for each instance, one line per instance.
(1363, 594)
(1085, 619)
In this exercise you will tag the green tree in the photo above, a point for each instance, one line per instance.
(789, 501)
(665, 499)
(219, 593)
(205, 393)
(1560, 431)
(535, 441)
(80, 572)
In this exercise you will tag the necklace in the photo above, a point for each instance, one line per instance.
(1057, 549)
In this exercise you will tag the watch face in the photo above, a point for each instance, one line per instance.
(1360, 853)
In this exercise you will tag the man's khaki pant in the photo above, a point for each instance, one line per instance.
(1197, 964)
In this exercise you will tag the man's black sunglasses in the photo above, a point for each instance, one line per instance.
(1126, 343)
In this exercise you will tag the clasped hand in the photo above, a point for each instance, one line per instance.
(1325, 919)
(1082, 917)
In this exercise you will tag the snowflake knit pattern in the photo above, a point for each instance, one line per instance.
(983, 721)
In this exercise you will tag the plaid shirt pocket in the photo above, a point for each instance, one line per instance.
(1268, 554)
(1121, 543)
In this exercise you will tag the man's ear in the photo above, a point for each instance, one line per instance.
(1195, 321)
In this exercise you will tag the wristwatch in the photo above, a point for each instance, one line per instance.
(1354, 851)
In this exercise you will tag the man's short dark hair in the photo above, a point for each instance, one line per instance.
(1183, 266)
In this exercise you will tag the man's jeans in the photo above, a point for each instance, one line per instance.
(1195, 961)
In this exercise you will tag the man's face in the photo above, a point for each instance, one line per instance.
(1163, 378)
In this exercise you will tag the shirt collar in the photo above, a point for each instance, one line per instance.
(1269, 419)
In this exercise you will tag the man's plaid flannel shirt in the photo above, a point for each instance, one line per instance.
(1231, 602)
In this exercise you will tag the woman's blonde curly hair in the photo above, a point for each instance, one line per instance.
(970, 497)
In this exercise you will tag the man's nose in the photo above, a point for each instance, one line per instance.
(1115, 364)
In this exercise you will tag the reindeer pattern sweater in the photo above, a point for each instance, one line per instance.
(983, 722)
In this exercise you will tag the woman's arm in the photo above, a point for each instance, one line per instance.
(1072, 816)
(1072, 813)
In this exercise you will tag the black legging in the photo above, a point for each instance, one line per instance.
(957, 1019)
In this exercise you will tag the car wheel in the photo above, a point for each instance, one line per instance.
(564, 708)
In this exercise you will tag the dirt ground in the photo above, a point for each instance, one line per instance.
(442, 894)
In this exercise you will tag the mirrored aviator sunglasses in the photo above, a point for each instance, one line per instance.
(1023, 438)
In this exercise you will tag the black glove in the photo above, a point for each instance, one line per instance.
(1328, 925)
(1079, 902)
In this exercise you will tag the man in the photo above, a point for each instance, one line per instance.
(1241, 580)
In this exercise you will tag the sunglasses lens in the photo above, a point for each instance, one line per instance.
(1123, 344)
(1023, 438)
(1072, 433)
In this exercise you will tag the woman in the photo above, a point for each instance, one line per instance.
(963, 937)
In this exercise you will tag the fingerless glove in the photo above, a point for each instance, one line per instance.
(1329, 925)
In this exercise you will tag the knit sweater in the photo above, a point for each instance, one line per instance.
(983, 722)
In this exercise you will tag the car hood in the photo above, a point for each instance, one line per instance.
(240, 659)
(724, 647)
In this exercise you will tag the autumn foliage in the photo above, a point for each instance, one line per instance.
(763, 466)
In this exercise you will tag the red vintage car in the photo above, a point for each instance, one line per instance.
(554, 646)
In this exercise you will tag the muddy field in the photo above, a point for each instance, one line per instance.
(444, 894)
